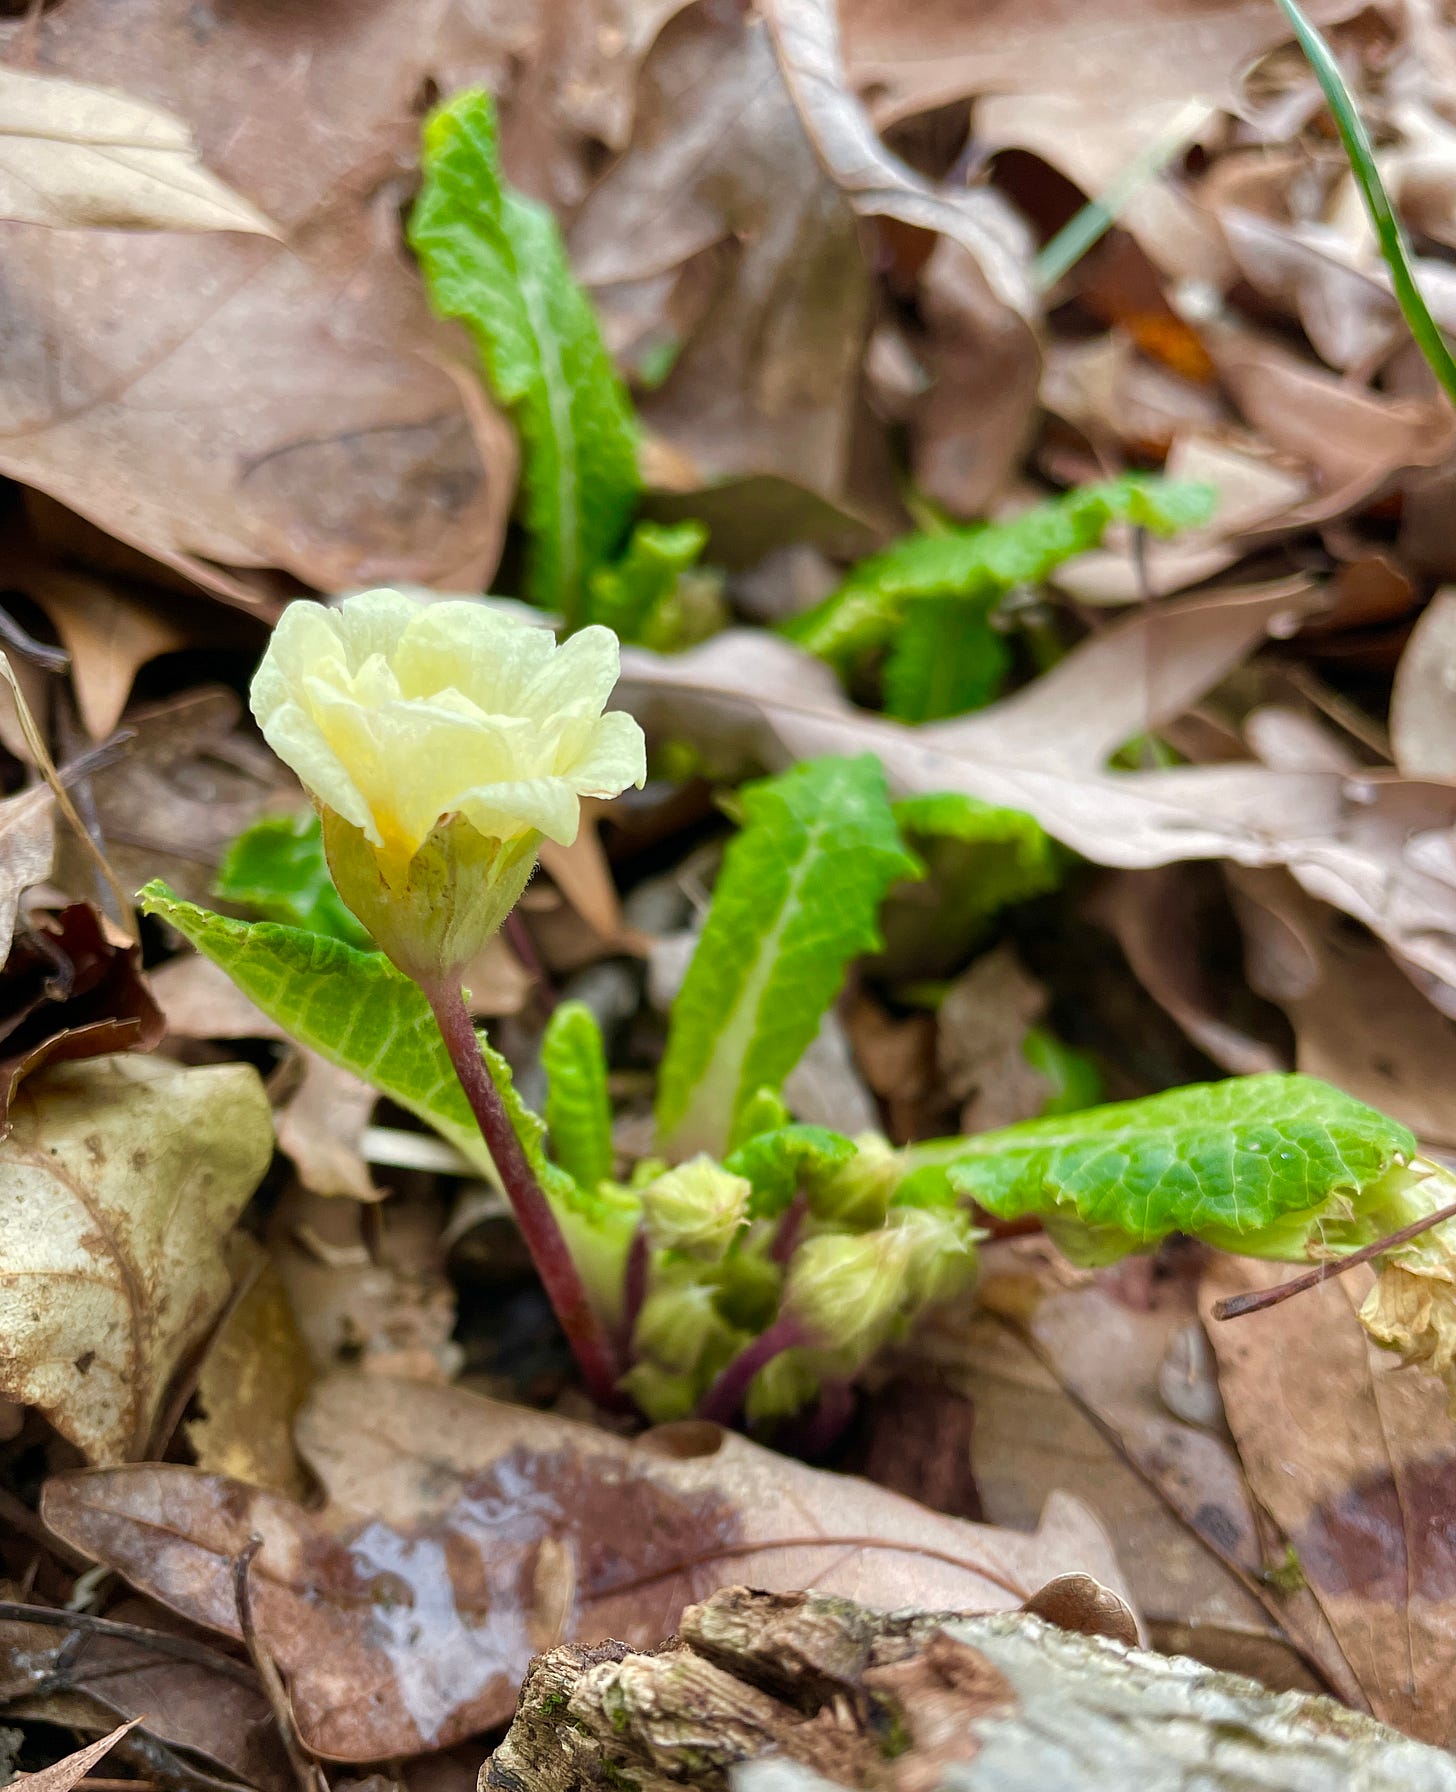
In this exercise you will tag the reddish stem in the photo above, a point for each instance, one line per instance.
(722, 1401)
(553, 1260)
(634, 1286)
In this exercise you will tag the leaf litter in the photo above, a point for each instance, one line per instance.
(1206, 817)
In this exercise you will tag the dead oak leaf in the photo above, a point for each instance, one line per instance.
(462, 1536)
(119, 1180)
(27, 849)
(64, 1774)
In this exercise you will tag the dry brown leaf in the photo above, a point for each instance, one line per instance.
(72, 155)
(1359, 1022)
(321, 1120)
(1375, 845)
(68, 1668)
(64, 1774)
(463, 1535)
(253, 1380)
(1354, 1460)
(719, 179)
(981, 1027)
(122, 1178)
(1423, 702)
(109, 637)
(229, 403)
(68, 991)
(27, 849)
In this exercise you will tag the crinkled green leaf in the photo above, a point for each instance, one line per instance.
(946, 659)
(865, 614)
(355, 1009)
(277, 868)
(796, 899)
(979, 859)
(1221, 1161)
(578, 1109)
(636, 596)
(775, 1162)
(495, 259)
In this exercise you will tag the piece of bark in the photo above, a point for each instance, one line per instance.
(802, 1692)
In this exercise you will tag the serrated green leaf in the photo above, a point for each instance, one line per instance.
(635, 597)
(277, 868)
(796, 899)
(495, 259)
(578, 1109)
(775, 1162)
(1224, 1162)
(985, 561)
(355, 1009)
(946, 660)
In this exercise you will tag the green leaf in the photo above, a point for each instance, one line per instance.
(496, 260)
(635, 598)
(578, 1110)
(979, 860)
(1394, 246)
(1225, 1162)
(796, 899)
(985, 561)
(277, 868)
(946, 660)
(1076, 1082)
(775, 1163)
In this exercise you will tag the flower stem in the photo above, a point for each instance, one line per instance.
(553, 1260)
(723, 1400)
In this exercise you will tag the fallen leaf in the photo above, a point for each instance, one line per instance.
(461, 1533)
(69, 1668)
(1359, 1022)
(122, 1177)
(765, 379)
(981, 1027)
(67, 991)
(1375, 845)
(65, 1774)
(27, 848)
(110, 636)
(253, 1380)
(82, 156)
(229, 403)
(1354, 1460)
(1423, 701)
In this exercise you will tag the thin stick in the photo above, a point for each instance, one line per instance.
(1257, 1300)
(306, 1770)
(33, 739)
(554, 1263)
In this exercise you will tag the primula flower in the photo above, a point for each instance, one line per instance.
(441, 741)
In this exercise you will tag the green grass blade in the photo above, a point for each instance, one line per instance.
(1393, 243)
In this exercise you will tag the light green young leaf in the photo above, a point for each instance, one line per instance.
(775, 1162)
(578, 1109)
(946, 660)
(863, 616)
(796, 899)
(495, 259)
(355, 1009)
(635, 597)
(277, 868)
(1235, 1163)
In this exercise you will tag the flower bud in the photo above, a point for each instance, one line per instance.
(696, 1208)
(848, 1289)
(782, 1387)
(679, 1324)
(441, 742)
(660, 1393)
(857, 1193)
(942, 1252)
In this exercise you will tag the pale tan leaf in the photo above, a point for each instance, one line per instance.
(62, 1775)
(109, 637)
(121, 1177)
(73, 155)
(27, 847)
(460, 1531)
(1423, 702)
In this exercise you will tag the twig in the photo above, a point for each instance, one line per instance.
(161, 1642)
(306, 1769)
(1236, 1305)
(39, 653)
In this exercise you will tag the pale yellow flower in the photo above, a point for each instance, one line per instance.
(441, 741)
(396, 714)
